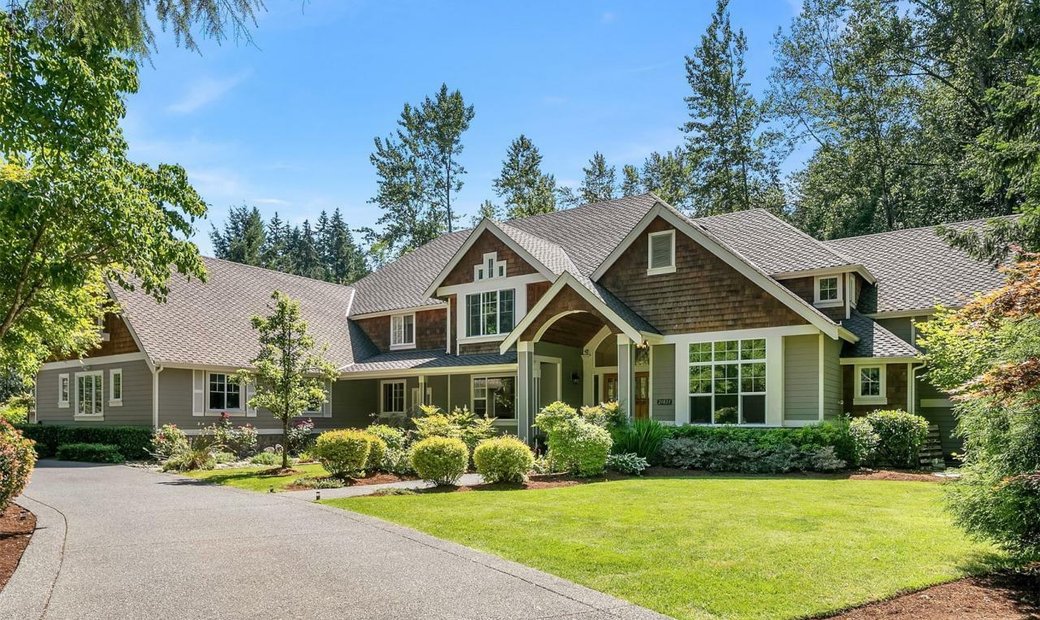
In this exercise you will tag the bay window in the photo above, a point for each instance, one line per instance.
(728, 382)
(489, 313)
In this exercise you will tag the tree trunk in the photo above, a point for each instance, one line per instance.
(285, 442)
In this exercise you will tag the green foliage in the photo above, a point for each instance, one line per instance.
(167, 441)
(821, 447)
(833, 434)
(377, 450)
(16, 409)
(865, 440)
(599, 182)
(17, 459)
(299, 436)
(522, 185)
(900, 437)
(134, 442)
(609, 415)
(670, 176)
(628, 463)
(395, 459)
(344, 453)
(240, 441)
(503, 459)
(394, 438)
(290, 374)
(575, 445)
(267, 457)
(641, 437)
(198, 456)
(89, 453)
(461, 423)
(440, 460)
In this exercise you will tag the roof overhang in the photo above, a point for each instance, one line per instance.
(486, 225)
(861, 270)
(733, 259)
(850, 361)
(346, 375)
(440, 305)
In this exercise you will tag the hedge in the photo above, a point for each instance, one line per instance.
(834, 434)
(134, 442)
(90, 453)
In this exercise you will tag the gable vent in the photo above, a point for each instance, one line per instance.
(661, 257)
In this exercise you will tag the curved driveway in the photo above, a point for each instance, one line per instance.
(118, 542)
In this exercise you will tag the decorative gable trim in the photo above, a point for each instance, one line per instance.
(731, 258)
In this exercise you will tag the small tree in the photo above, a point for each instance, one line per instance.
(289, 373)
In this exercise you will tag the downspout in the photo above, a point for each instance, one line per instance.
(155, 396)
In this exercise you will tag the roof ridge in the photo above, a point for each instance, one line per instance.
(801, 232)
(578, 208)
(283, 273)
(980, 220)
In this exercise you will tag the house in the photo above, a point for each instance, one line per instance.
(730, 319)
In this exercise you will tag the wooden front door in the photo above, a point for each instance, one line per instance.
(610, 387)
(642, 396)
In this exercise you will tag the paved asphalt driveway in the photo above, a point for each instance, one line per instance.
(117, 542)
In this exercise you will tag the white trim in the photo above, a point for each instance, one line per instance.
(407, 310)
(882, 397)
(64, 391)
(87, 362)
(404, 395)
(828, 303)
(99, 376)
(719, 249)
(155, 396)
(502, 284)
(902, 314)
(826, 271)
(400, 346)
(873, 361)
(194, 432)
(239, 411)
(415, 372)
(112, 400)
(515, 420)
(650, 269)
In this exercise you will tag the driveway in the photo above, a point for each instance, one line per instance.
(119, 542)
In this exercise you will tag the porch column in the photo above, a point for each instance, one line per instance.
(588, 371)
(524, 388)
(625, 359)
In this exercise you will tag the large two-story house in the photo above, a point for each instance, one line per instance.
(730, 319)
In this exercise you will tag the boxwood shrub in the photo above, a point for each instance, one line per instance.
(503, 459)
(440, 460)
(344, 453)
(90, 453)
(133, 442)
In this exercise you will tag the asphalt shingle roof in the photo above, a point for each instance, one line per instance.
(427, 359)
(874, 340)
(917, 270)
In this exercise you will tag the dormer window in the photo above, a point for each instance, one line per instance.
(402, 331)
(661, 253)
(490, 268)
(828, 291)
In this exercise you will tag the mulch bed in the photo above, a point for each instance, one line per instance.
(16, 527)
(999, 596)
(886, 474)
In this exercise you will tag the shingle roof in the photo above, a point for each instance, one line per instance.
(401, 283)
(209, 323)
(874, 340)
(549, 254)
(427, 359)
(916, 269)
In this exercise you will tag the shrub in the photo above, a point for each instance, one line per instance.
(239, 440)
(197, 456)
(723, 454)
(459, 424)
(16, 409)
(267, 457)
(393, 437)
(900, 437)
(344, 453)
(627, 463)
(376, 452)
(167, 441)
(865, 440)
(441, 460)
(17, 459)
(575, 445)
(503, 459)
(299, 436)
(90, 453)
(134, 442)
(609, 415)
(642, 437)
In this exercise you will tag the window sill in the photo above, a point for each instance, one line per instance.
(402, 347)
(89, 416)
(505, 422)
(232, 413)
(870, 401)
(657, 271)
(115, 403)
(63, 405)
(391, 413)
(480, 339)
(829, 304)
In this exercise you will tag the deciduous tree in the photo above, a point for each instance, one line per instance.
(522, 186)
(600, 181)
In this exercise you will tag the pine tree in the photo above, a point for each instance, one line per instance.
(303, 259)
(322, 245)
(631, 184)
(345, 259)
(242, 239)
(522, 185)
(600, 182)
(273, 254)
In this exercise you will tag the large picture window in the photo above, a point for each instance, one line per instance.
(489, 313)
(224, 392)
(495, 397)
(728, 382)
(89, 394)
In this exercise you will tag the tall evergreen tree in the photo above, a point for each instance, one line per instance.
(345, 259)
(726, 131)
(600, 182)
(631, 184)
(276, 241)
(303, 258)
(242, 238)
(522, 185)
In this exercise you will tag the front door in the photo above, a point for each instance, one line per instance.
(642, 396)
(610, 387)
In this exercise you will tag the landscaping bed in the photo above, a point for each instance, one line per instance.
(16, 528)
(264, 479)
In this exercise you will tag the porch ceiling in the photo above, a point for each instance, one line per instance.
(574, 330)
(569, 320)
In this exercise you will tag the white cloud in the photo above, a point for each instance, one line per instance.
(274, 202)
(205, 91)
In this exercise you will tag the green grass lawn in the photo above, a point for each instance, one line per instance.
(707, 547)
(255, 478)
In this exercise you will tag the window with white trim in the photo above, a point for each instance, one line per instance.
(489, 313)
(225, 392)
(490, 268)
(728, 382)
(90, 394)
(402, 331)
(392, 397)
(64, 390)
(660, 253)
(828, 291)
(495, 397)
(115, 387)
(870, 385)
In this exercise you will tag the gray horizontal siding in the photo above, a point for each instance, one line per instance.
(801, 378)
(832, 405)
(136, 408)
(662, 377)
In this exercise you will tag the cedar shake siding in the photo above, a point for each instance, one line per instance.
(587, 323)
(474, 348)
(119, 341)
(485, 244)
(430, 329)
(895, 389)
(703, 295)
(136, 407)
(806, 289)
(535, 291)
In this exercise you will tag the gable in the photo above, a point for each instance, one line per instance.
(486, 243)
(703, 294)
(117, 339)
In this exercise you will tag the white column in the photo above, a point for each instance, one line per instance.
(588, 370)
(625, 355)
(524, 382)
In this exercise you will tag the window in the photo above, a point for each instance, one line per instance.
(495, 397)
(870, 386)
(489, 313)
(115, 387)
(89, 394)
(316, 407)
(828, 291)
(63, 390)
(728, 382)
(392, 400)
(224, 393)
(402, 331)
(661, 253)
(489, 268)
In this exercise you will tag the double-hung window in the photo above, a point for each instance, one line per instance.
(64, 390)
(489, 313)
(495, 397)
(225, 393)
(728, 382)
(870, 386)
(392, 397)
(115, 387)
(402, 331)
(90, 394)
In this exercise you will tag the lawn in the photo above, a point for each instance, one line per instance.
(707, 547)
(256, 478)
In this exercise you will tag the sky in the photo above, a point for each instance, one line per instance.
(286, 122)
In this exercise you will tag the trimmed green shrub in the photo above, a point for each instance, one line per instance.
(267, 457)
(900, 437)
(16, 409)
(299, 437)
(628, 463)
(609, 415)
(344, 453)
(376, 453)
(90, 453)
(503, 459)
(393, 437)
(834, 434)
(134, 442)
(641, 437)
(461, 423)
(745, 456)
(17, 459)
(167, 441)
(440, 460)
(575, 445)
(865, 440)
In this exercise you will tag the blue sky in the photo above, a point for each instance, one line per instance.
(287, 123)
